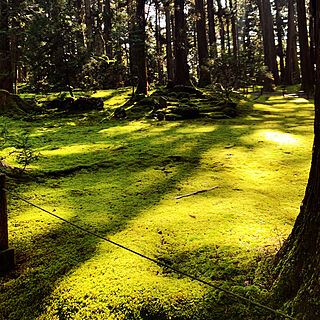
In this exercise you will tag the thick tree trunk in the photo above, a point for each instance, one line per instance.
(268, 43)
(306, 67)
(297, 264)
(292, 67)
(203, 54)
(170, 70)
(140, 48)
(6, 79)
(279, 24)
(181, 65)
(212, 29)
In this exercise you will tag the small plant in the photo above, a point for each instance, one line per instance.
(23, 152)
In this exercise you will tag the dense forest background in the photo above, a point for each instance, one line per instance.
(100, 44)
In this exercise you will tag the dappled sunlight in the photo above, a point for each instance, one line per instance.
(281, 138)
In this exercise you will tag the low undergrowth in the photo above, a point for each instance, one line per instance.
(119, 179)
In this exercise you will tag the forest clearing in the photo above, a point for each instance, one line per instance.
(126, 175)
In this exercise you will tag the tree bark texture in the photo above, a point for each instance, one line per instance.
(268, 42)
(305, 60)
(212, 29)
(181, 64)
(6, 74)
(140, 48)
(89, 24)
(233, 11)
(204, 73)
(222, 31)
(297, 264)
(279, 25)
(107, 21)
(292, 66)
(170, 65)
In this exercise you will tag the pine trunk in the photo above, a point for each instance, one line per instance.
(222, 31)
(268, 43)
(292, 66)
(181, 65)
(212, 29)
(279, 25)
(297, 264)
(6, 79)
(306, 67)
(107, 21)
(140, 48)
(170, 70)
(203, 54)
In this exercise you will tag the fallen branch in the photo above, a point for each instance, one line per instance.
(193, 193)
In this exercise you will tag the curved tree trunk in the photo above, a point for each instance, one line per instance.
(297, 265)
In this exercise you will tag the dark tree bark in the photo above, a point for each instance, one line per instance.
(222, 31)
(107, 21)
(292, 75)
(6, 79)
(89, 24)
(212, 29)
(140, 48)
(233, 10)
(268, 43)
(158, 42)
(170, 66)
(181, 65)
(279, 25)
(204, 73)
(306, 67)
(297, 264)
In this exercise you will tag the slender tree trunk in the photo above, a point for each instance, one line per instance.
(89, 24)
(204, 73)
(99, 46)
(306, 67)
(268, 43)
(222, 31)
(181, 65)
(279, 24)
(292, 67)
(158, 42)
(140, 48)
(312, 37)
(107, 21)
(297, 264)
(212, 29)
(233, 10)
(6, 79)
(170, 70)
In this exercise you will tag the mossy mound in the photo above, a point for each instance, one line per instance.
(75, 105)
(12, 104)
(181, 102)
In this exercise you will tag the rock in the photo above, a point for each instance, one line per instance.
(12, 103)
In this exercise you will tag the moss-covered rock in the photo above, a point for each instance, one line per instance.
(12, 103)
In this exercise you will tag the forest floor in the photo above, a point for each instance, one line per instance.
(119, 179)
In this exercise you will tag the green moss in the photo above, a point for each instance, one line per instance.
(119, 179)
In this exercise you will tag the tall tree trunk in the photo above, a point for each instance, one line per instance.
(297, 264)
(212, 29)
(89, 24)
(158, 42)
(292, 67)
(6, 79)
(181, 64)
(99, 46)
(170, 70)
(140, 48)
(268, 43)
(306, 67)
(233, 10)
(312, 36)
(204, 76)
(279, 24)
(131, 32)
(222, 31)
(107, 21)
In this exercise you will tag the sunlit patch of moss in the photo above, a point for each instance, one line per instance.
(129, 174)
